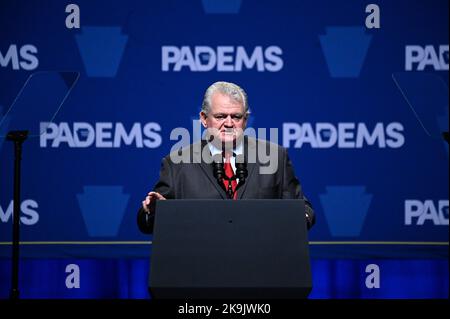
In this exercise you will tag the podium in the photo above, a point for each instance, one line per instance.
(230, 249)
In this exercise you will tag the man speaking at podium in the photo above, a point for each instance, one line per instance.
(227, 164)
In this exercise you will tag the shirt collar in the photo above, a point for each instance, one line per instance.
(238, 150)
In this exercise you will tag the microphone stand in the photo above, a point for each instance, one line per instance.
(18, 137)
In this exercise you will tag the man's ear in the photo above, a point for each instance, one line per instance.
(203, 119)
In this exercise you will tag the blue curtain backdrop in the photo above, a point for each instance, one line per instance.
(127, 278)
(358, 91)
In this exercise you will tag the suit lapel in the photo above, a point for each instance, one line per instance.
(207, 168)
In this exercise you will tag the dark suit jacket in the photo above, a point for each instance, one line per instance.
(190, 180)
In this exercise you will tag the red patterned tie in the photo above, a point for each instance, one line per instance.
(229, 173)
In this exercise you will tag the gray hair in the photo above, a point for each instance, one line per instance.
(235, 92)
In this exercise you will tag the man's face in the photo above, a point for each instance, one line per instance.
(226, 120)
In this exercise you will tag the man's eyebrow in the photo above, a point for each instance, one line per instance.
(238, 113)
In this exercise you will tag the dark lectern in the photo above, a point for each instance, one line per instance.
(230, 249)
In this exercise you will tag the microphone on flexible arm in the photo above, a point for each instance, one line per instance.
(218, 170)
(241, 169)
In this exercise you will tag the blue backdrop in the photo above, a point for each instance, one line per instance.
(358, 91)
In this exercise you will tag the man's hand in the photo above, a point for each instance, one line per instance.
(148, 204)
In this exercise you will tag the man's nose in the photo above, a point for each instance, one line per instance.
(228, 121)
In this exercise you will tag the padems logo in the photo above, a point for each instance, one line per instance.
(346, 135)
(28, 212)
(101, 49)
(345, 208)
(221, 58)
(420, 58)
(100, 135)
(94, 201)
(419, 212)
(345, 50)
(20, 57)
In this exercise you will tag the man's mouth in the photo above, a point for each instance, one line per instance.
(228, 131)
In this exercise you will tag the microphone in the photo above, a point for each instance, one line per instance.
(218, 170)
(241, 168)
